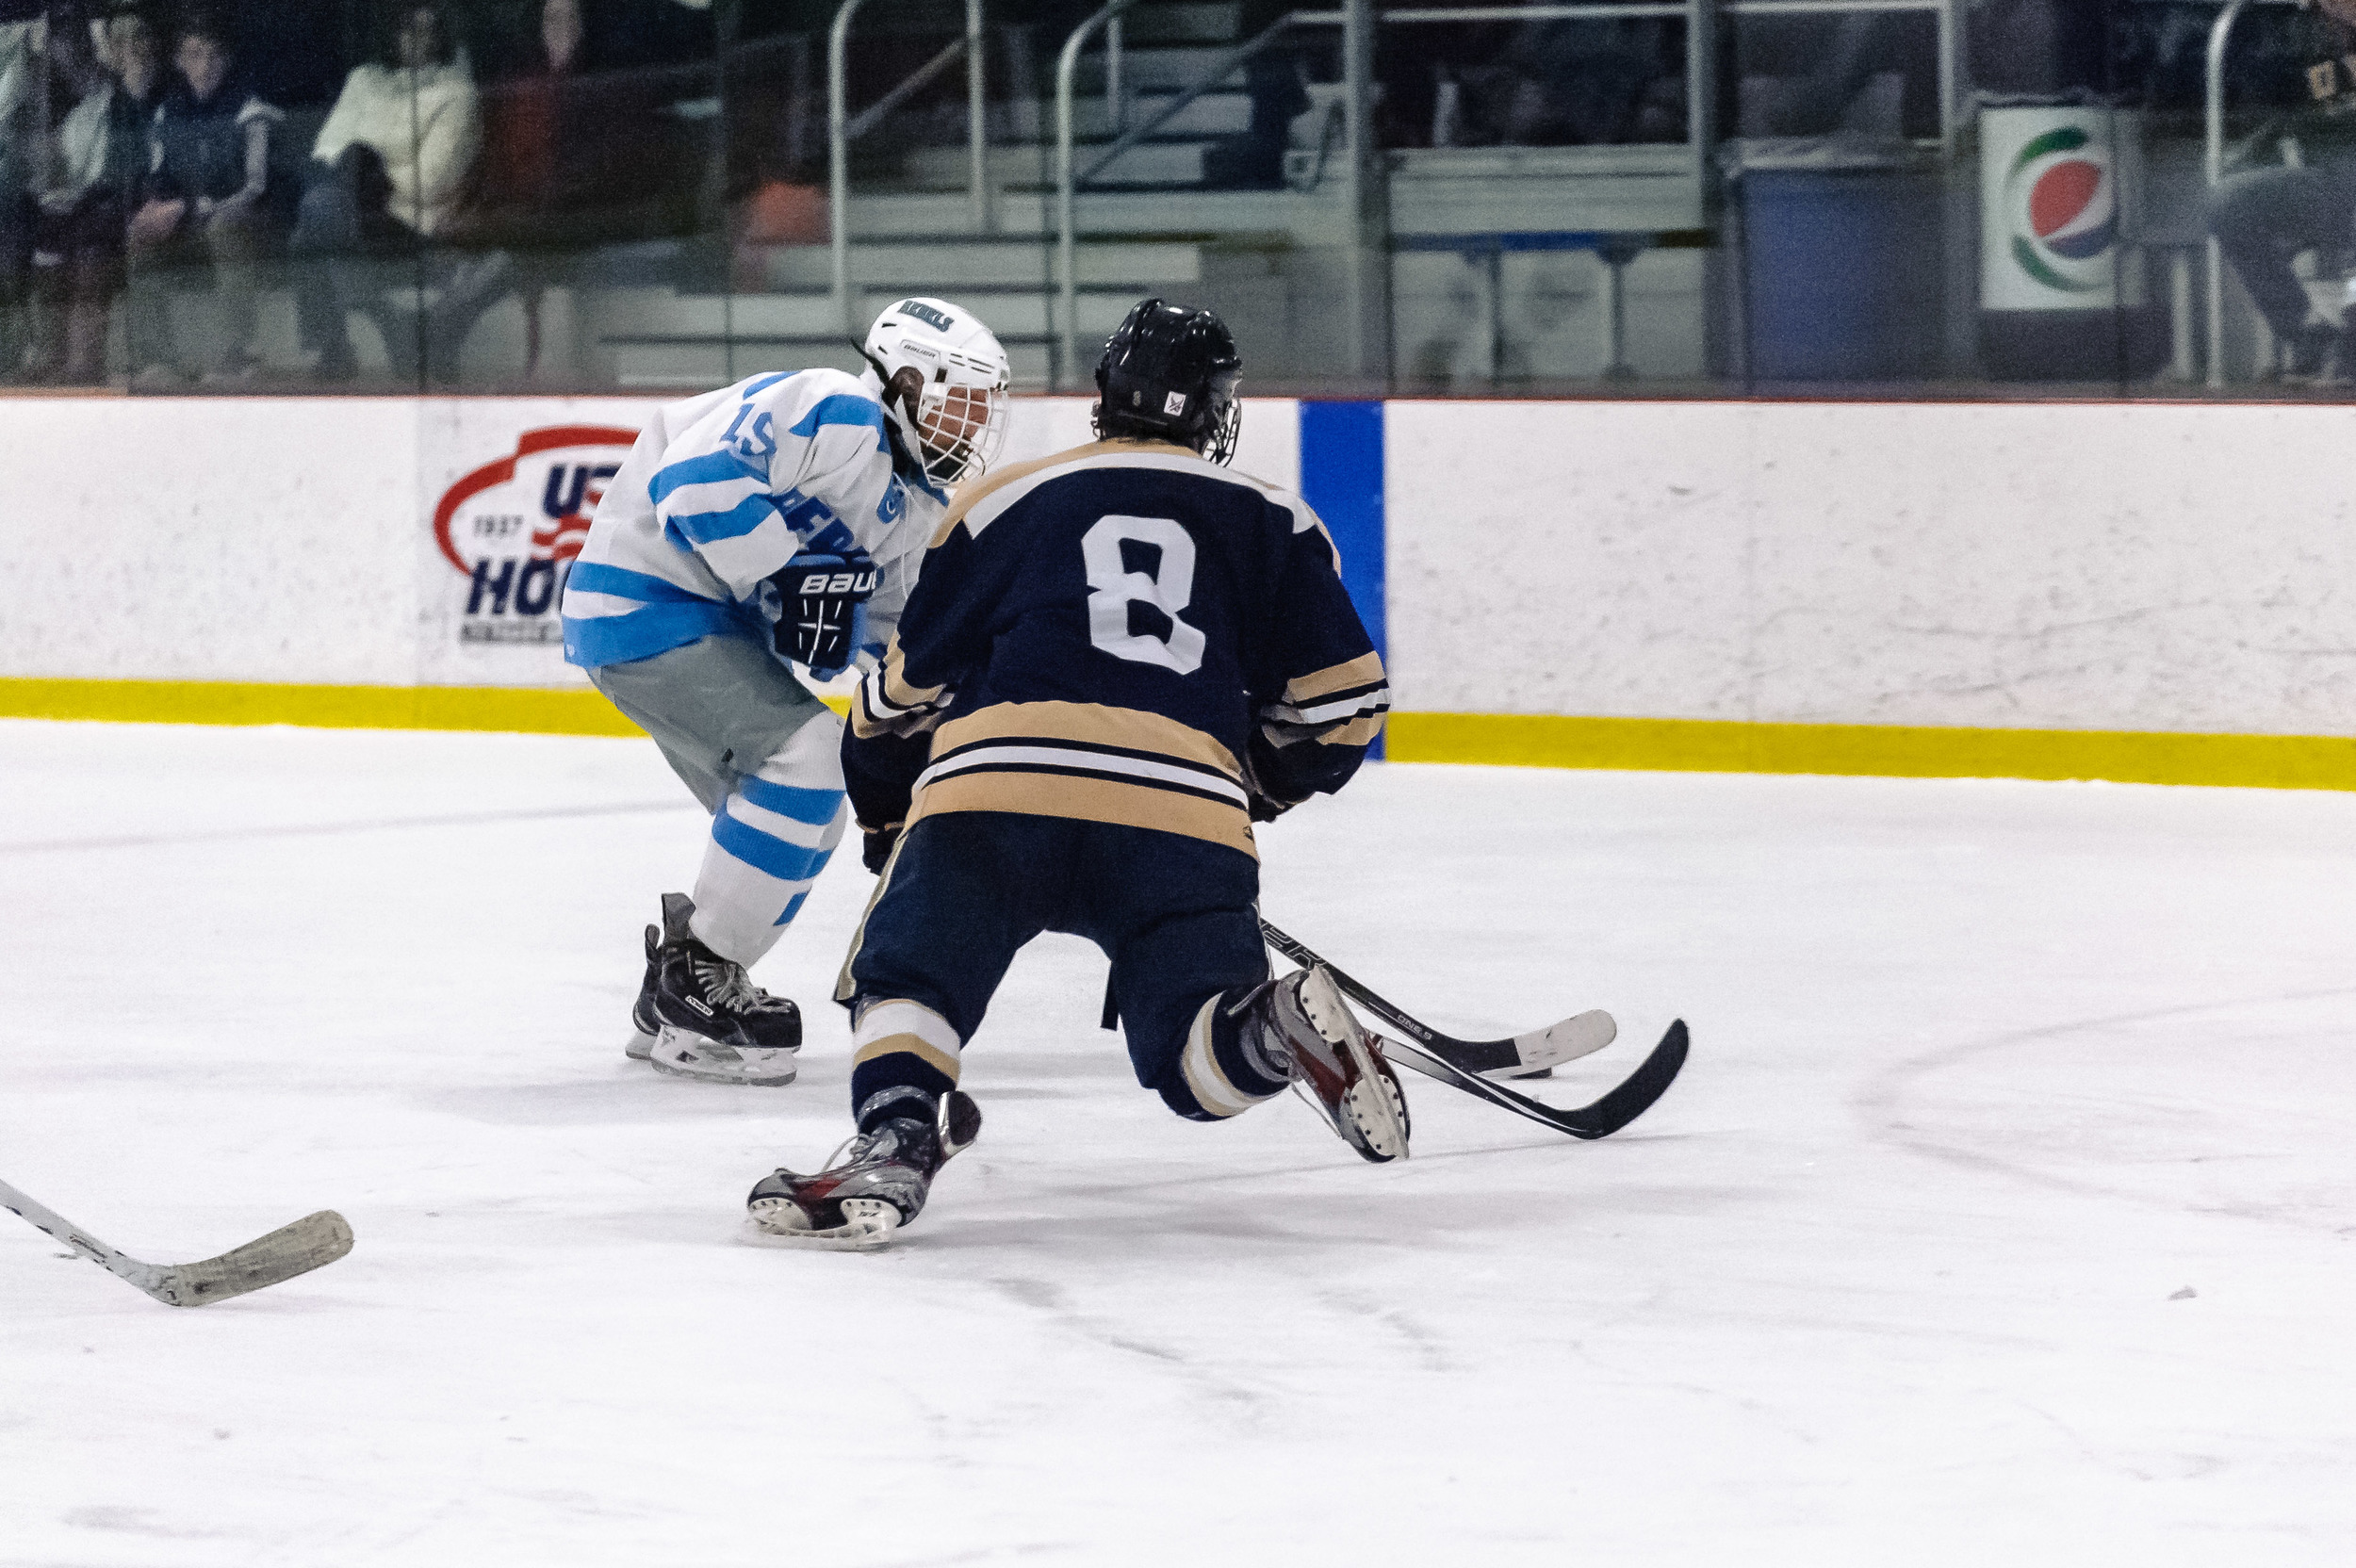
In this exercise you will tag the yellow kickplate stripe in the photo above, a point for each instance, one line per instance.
(552, 713)
(519, 710)
(1519, 740)
(1704, 745)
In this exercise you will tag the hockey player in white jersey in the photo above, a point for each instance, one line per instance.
(772, 523)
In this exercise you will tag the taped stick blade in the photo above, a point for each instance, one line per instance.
(1567, 1041)
(312, 1242)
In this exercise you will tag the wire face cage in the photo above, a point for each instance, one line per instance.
(962, 426)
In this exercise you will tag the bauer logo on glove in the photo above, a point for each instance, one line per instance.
(822, 609)
(822, 585)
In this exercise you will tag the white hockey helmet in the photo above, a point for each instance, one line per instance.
(942, 376)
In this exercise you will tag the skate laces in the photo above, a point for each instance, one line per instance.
(834, 1161)
(859, 1146)
(725, 984)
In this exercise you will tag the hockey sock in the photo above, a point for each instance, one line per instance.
(1224, 1069)
(769, 842)
(901, 1046)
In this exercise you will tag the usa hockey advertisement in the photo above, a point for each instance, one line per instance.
(510, 487)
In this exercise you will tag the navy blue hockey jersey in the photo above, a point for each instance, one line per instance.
(1120, 633)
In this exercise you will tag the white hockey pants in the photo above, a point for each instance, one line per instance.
(765, 757)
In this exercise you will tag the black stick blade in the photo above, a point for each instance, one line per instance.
(1599, 1118)
(1636, 1094)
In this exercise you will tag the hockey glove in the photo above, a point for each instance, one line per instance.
(822, 613)
(1268, 808)
(1260, 759)
(876, 846)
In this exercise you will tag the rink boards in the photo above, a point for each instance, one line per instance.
(2017, 590)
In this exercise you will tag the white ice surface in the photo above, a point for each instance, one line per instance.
(2004, 1215)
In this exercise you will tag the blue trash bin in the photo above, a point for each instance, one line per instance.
(1842, 266)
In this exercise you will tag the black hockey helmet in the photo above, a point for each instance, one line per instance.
(1168, 373)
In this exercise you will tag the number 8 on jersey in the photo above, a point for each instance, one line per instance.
(1113, 587)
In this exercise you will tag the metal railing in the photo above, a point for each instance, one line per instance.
(1067, 264)
(2213, 165)
(842, 131)
(1701, 89)
(1068, 183)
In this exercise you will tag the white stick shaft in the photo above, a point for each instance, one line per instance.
(49, 1220)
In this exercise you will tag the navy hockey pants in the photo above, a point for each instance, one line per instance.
(965, 890)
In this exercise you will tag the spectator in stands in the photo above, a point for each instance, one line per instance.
(573, 156)
(1863, 73)
(1273, 79)
(2264, 217)
(98, 165)
(24, 93)
(578, 154)
(205, 203)
(574, 150)
(1540, 84)
(388, 175)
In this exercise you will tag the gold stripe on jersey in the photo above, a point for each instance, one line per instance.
(998, 479)
(886, 704)
(895, 681)
(1357, 732)
(1121, 802)
(1365, 670)
(1090, 724)
(1341, 704)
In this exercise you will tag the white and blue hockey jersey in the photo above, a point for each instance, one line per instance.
(720, 493)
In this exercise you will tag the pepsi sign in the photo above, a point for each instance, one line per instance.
(2054, 189)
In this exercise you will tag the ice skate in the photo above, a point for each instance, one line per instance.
(699, 1015)
(872, 1186)
(643, 1025)
(1337, 1063)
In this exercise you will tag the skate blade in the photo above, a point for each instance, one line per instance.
(1381, 1121)
(640, 1045)
(1378, 1108)
(867, 1226)
(765, 1069)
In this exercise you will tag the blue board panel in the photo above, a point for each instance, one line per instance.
(1341, 479)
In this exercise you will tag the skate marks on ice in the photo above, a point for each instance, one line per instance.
(1198, 1377)
(634, 1095)
(2211, 1103)
(1185, 1210)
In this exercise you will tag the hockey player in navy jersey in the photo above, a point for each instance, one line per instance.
(774, 523)
(1115, 661)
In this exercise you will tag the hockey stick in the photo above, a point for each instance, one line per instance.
(1631, 1099)
(1529, 1054)
(310, 1243)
